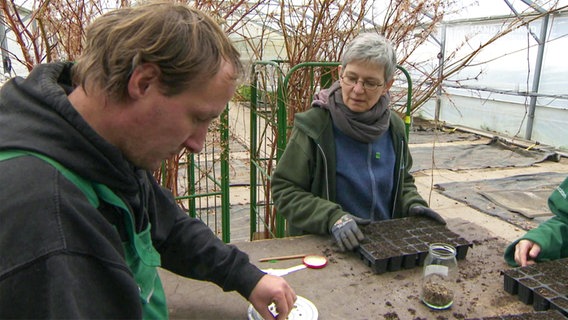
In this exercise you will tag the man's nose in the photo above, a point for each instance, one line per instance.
(194, 143)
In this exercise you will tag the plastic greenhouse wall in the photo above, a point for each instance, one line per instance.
(494, 94)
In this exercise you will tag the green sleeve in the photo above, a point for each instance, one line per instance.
(408, 193)
(551, 235)
(305, 210)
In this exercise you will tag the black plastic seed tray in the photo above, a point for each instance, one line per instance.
(396, 244)
(539, 315)
(544, 285)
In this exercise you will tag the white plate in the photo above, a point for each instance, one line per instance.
(303, 309)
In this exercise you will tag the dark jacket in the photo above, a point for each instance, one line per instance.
(552, 234)
(304, 182)
(60, 257)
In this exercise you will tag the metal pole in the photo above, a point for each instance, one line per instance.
(253, 155)
(408, 100)
(441, 58)
(225, 180)
(541, 40)
(536, 78)
(6, 63)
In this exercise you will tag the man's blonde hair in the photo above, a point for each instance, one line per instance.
(186, 44)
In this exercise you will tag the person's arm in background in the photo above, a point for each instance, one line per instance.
(550, 237)
(549, 241)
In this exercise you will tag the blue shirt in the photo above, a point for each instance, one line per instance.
(365, 175)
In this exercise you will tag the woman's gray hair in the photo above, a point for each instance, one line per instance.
(374, 48)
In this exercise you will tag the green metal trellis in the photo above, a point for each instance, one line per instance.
(203, 180)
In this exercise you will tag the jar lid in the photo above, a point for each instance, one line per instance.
(303, 309)
(315, 261)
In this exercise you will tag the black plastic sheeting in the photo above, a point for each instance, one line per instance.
(495, 154)
(429, 136)
(521, 200)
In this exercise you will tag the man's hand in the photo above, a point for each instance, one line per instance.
(273, 289)
(526, 252)
(426, 212)
(346, 232)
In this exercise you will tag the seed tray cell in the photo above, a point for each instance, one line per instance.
(543, 285)
(396, 244)
(541, 296)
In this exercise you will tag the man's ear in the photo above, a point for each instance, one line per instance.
(143, 77)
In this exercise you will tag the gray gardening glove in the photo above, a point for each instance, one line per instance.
(346, 232)
(426, 212)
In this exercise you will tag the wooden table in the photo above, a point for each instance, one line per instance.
(347, 288)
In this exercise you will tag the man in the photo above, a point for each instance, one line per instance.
(83, 224)
(549, 241)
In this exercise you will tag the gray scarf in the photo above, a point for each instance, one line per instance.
(362, 126)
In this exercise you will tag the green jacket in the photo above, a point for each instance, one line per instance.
(551, 235)
(304, 182)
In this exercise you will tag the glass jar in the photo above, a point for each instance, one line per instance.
(439, 276)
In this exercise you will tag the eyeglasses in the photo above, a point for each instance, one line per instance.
(367, 85)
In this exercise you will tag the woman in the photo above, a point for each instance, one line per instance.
(347, 161)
